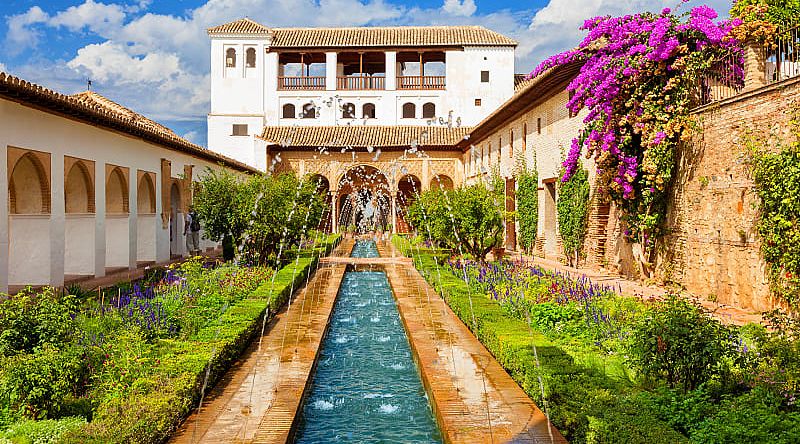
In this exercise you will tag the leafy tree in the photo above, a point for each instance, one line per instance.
(679, 341)
(31, 319)
(467, 217)
(222, 204)
(778, 12)
(573, 209)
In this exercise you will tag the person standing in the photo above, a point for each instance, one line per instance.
(191, 229)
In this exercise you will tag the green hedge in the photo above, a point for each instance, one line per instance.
(163, 398)
(584, 402)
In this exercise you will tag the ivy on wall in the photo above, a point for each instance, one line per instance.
(572, 206)
(776, 174)
(528, 207)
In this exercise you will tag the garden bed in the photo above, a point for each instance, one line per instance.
(129, 368)
(569, 345)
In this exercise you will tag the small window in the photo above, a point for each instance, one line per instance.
(539, 125)
(288, 111)
(477, 102)
(250, 57)
(368, 111)
(409, 111)
(428, 111)
(309, 111)
(230, 58)
(239, 129)
(484, 76)
(348, 111)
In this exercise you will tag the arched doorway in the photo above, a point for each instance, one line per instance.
(117, 218)
(29, 218)
(146, 220)
(363, 200)
(408, 188)
(441, 182)
(79, 221)
(176, 244)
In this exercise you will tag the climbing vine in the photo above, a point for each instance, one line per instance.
(528, 207)
(572, 206)
(638, 80)
(776, 174)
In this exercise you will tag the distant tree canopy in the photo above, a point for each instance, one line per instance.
(467, 219)
(260, 213)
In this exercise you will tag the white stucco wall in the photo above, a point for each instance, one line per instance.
(79, 244)
(40, 249)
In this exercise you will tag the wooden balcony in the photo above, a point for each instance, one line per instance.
(361, 83)
(301, 83)
(421, 82)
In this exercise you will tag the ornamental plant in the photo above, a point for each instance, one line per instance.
(637, 81)
(573, 209)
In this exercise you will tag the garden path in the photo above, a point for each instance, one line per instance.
(259, 397)
(725, 313)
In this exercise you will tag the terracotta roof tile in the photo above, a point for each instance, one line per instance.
(241, 26)
(363, 136)
(97, 110)
(411, 36)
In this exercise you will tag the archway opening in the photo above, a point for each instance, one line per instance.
(364, 200)
(78, 190)
(442, 182)
(408, 188)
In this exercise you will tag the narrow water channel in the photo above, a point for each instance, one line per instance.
(366, 388)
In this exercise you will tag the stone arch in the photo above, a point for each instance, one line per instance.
(116, 192)
(146, 195)
(78, 189)
(366, 187)
(441, 181)
(29, 187)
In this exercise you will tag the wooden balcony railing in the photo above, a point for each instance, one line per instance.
(301, 83)
(360, 83)
(421, 82)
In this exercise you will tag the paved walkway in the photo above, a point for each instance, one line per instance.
(474, 399)
(258, 398)
(725, 313)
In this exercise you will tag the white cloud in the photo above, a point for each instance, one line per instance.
(21, 34)
(460, 7)
(192, 136)
(97, 17)
(3, 67)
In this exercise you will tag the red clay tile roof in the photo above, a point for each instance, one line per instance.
(95, 109)
(392, 36)
(362, 136)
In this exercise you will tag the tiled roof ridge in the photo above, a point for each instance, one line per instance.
(32, 94)
(361, 136)
(244, 25)
(116, 107)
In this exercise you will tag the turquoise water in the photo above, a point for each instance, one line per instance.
(365, 248)
(366, 388)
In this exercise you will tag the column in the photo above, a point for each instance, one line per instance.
(330, 70)
(57, 220)
(334, 222)
(426, 179)
(133, 218)
(394, 212)
(99, 218)
(4, 218)
(391, 70)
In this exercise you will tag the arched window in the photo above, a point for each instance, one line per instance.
(409, 111)
(309, 111)
(230, 58)
(348, 111)
(146, 196)
(368, 111)
(428, 111)
(288, 111)
(442, 182)
(116, 192)
(29, 189)
(250, 58)
(78, 190)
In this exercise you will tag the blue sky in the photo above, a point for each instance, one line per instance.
(152, 55)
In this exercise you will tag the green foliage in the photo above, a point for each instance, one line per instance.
(678, 341)
(777, 181)
(528, 207)
(573, 210)
(467, 217)
(36, 384)
(263, 213)
(31, 319)
(777, 12)
(41, 432)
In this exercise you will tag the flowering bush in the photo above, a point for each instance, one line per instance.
(638, 81)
